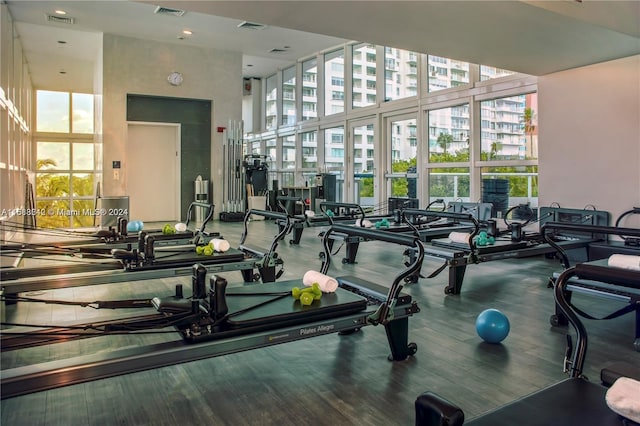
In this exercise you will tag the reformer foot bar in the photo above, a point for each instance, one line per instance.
(596, 278)
(147, 263)
(228, 319)
(574, 401)
(457, 256)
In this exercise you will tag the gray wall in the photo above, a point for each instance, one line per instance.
(194, 115)
(134, 66)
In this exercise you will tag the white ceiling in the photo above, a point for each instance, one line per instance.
(534, 37)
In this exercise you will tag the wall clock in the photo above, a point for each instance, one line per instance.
(175, 78)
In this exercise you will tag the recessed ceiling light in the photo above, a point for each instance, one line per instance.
(187, 32)
(60, 12)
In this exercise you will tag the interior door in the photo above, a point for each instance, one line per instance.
(363, 164)
(153, 171)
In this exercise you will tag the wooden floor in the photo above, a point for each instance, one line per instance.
(332, 379)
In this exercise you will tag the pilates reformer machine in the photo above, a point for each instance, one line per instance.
(148, 261)
(615, 277)
(47, 242)
(218, 319)
(335, 212)
(462, 249)
(424, 224)
(575, 400)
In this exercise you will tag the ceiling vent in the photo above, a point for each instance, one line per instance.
(61, 19)
(276, 50)
(160, 10)
(251, 26)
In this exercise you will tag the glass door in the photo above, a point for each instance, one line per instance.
(402, 174)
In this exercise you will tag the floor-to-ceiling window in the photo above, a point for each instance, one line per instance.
(65, 162)
(449, 125)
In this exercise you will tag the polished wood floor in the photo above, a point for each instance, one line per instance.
(332, 379)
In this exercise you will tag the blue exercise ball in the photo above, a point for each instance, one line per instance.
(492, 326)
(132, 226)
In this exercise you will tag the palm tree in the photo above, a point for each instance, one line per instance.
(529, 127)
(444, 140)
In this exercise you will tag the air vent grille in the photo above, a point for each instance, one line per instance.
(61, 19)
(251, 25)
(160, 10)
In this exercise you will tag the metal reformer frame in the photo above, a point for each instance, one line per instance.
(79, 369)
(403, 221)
(139, 266)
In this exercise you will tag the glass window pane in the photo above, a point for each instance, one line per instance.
(364, 75)
(488, 72)
(309, 89)
(334, 157)
(445, 73)
(82, 184)
(271, 104)
(256, 147)
(271, 153)
(450, 184)
(449, 134)
(509, 128)
(334, 82)
(289, 96)
(509, 186)
(52, 185)
(56, 213)
(82, 218)
(289, 152)
(52, 156)
(83, 156)
(52, 112)
(82, 113)
(400, 74)
(309, 149)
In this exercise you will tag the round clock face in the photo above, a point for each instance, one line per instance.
(175, 78)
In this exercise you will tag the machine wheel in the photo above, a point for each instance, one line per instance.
(256, 277)
(291, 242)
(448, 290)
(554, 320)
(321, 255)
(345, 260)
(636, 345)
(413, 348)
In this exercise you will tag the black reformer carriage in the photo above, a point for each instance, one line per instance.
(573, 401)
(224, 318)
